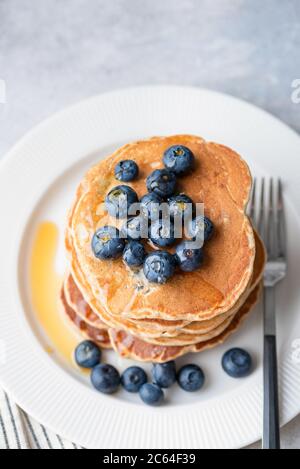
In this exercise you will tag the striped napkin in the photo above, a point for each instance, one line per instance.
(19, 431)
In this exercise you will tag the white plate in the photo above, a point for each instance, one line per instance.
(37, 182)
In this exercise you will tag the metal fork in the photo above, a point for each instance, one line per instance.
(267, 215)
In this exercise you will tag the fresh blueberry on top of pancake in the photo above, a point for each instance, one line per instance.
(119, 200)
(237, 363)
(133, 378)
(162, 182)
(190, 378)
(162, 233)
(159, 267)
(87, 354)
(135, 228)
(189, 256)
(179, 159)
(126, 171)
(164, 374)
(150, 205)
(105, 378)
(151, 394)
(181, 206)
(202, 228)
(134, 254)
(107, 243)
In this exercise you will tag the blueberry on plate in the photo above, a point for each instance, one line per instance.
(105, 378)
(164, 374)
(119, 200)
(159, 267)
(126, 171)
(151, 394)
(181, 206)
(134, 254)
(190, 378)
(107, 243)
(135, 228)
(189, 257)
(133, 378)
(150, 206)
(162, 182)
(201, 228)
(179, 159)
(162, 233)
(87, 354)
(237, 363)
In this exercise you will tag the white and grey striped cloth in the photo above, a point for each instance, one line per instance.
(19, 431)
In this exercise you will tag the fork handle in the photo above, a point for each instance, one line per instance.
(271, 436)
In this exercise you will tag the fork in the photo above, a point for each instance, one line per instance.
(267, 215)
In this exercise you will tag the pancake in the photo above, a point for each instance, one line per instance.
(211, 328)
(97, 334)
(76, 301)
(159, 334)
(200, 332)
(83, 310)
(222, 181)
(129, 346)
(199, 327)
(258, 270)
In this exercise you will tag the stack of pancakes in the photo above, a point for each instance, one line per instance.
(117, 307)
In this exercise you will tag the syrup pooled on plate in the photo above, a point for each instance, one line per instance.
(45, 286)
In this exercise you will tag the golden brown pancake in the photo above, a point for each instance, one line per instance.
(258, 269)
(97, 334)
(130, 347)
(83, 310)
(76, 302)
(222, 181)
(200, 330)
(200, 327)
(193, 311)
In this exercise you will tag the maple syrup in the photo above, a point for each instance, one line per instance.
(45, 284)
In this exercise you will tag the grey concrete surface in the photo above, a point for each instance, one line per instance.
(56, 52)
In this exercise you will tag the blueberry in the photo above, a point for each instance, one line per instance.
(175, 260)
(135, 228)
(105, 378)
(107, 243)
(162, 233)
(190, 378)
(181, 206)
(159, 267)
(119, 200)
(162, 182)
(134, 254)
(201, 228)
(87, 354)
(237, 363)
(189, 257)
(133, 378)
(179, 159)
(126, 170)
(150, 205)
(164, 374)
(151, 394)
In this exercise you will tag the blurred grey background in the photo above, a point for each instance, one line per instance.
(54, 53)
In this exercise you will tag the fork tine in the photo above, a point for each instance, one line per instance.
(252, 209)
(281, 232)
(271, 228)
(261, 219)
